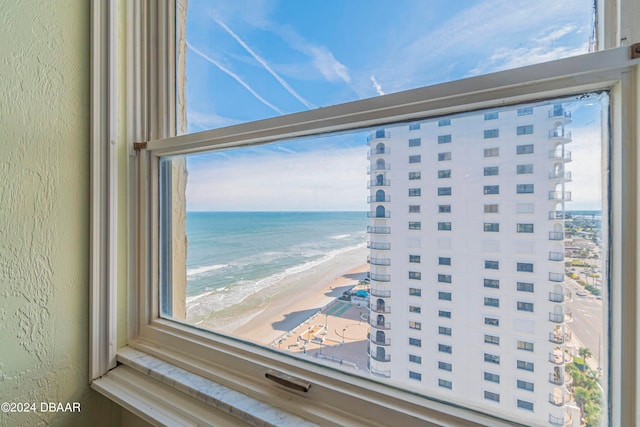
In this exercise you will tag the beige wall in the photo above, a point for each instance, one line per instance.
(44, 212)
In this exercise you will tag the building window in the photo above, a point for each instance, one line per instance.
(492, 265)
(525, 366)
(492, 358)
(491, 302)
(414, 258)
(414, 208)
(524, 228)
(415, 342)
(414, 175)
(415, 292)
(444, 191)
(525, 385)
(414, 158)
(415, 359)
(444, 173)
(491, 321)
(444, 348)
(524, 188)
(492, 283)
(444, 156)
(445, 383)
(524, 345)
(492, 339)
(491, 189)
(491, 171)
(415, 325)
(491, 133)
(492, 152)
(444, 208)
(524, 287)
(414, 192)
(444, 226)
(444, 122)
(444, 278)
(444, 261)
(491, 116)
(415, 225)
(414, 309)
(414, 142)
(444, 296)
(492, 208)
(525, 306)
(444, 330)
(525, 111)
(491, 227)
(415, 275)
(525, 405)
(524, 149)
(524, 130)
(524, 266)
(491, 396)
(445, 366)
(494, 378)
(444, 139)
(415, 375)
(524, 169)
(444, 313)
(414, 126)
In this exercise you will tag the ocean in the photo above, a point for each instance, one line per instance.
(235, 254)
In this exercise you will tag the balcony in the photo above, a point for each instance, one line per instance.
(559, 196)
(377, 152)
(558, 337)
(374, 199)
(379, 261)
(561, 317)
(379, 168)
(556, 256)
(380, 277)
(556, 277)
(380, 308)
(557, 358)
(385, 342)
(559, 155)
(379, 183)
(379, 230)
(556, 297)
(556, 215)
(556, 235)
(561, 421)
(379, 373)
(564, 176)
(379, 246)
(560, 379)
(379, 325)
(379, 134)
(559, 133)
(560, 398)
(374, 214)
(380, 293)
(558, 113)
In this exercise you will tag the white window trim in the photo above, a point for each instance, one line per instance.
(241, 366)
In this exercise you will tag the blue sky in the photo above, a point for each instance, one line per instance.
(254, 59)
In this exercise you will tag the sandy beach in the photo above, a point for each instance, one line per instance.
(269, 313)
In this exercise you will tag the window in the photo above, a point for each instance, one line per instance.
(444, 156)
(415, 158)
(491, 302)
(525, 385)
(444, 208)
(414, 258)
(445, 383)
(491, 396)
(524, 345)
(524, 287)
(524, 188)
(494, 378)
(525, 405)
(491, 171)
(524, 149)
(414, 142)
(446, 173)
(444, 261)
(525, 306)
(444, 296)
(524, 130)
(491, 133)
(491, 208)
(491, 116)
(414, 175)
(414, 192)
(415, 292)
(492, 265)
(415, 225)
(525, 366)
(446, 226)
(492, 339)
(524, 266)
(525, 111)
(524, 228)
(444, 122)
(414, 309)
(414, 208)
(444, 278)
(491, 189)
(415, 375)
(492, 358)
(444, 313)
(415, 359)
(415, 275)
(492, 152)
(444, 139)
(444, 366)
(492, 283)
(414, 126)
(444, 348)
(444, 330)
(444, 191)
(491, 321)
(491, 227)
(415, 342)
(415, 325)
(524, 169)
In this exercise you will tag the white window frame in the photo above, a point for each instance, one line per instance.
(152, 106)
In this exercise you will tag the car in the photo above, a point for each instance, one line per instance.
(581, 293)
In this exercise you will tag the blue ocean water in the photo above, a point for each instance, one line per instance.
(250, 250)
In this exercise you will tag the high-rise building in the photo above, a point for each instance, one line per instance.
(467, 259)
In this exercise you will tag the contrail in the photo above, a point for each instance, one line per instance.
(265, 65)
(376, 85)
(238, 79)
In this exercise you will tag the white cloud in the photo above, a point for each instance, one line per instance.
(206, 121)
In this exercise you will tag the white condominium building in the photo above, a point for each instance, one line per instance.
(467, 259)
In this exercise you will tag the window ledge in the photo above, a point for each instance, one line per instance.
(164, 394)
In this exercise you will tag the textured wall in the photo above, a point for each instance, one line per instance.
(44, 211)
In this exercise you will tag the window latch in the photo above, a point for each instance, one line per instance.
(635, 51)
(137, 146)
(288, 381)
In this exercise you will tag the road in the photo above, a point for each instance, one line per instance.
(588, 321)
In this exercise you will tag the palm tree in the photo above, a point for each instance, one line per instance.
(585, 353)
